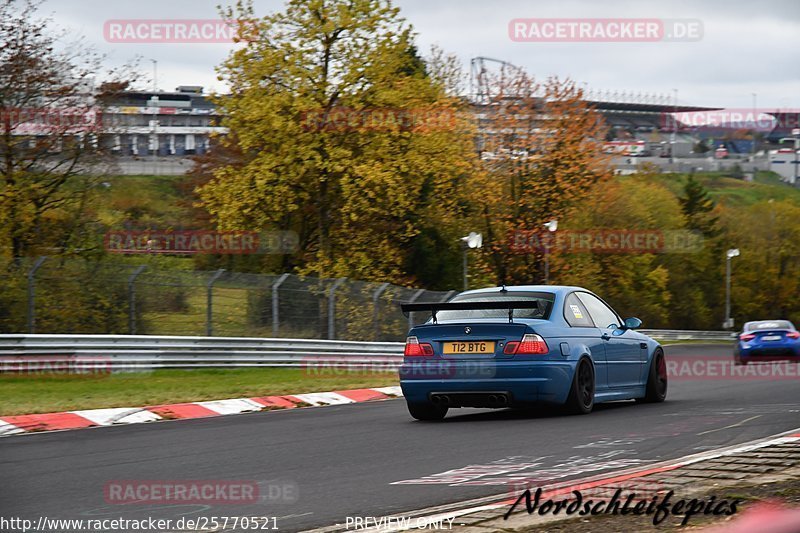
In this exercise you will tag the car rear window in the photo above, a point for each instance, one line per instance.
(545, 300)
(768, 324)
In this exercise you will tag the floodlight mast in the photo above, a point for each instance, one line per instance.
(730, 254)
(473, 240)
(478, 82)
(551, 226)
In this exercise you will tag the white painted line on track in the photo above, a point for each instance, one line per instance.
(729, 427)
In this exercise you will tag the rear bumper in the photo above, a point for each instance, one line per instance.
(771, 354)
(523, 382)
(781, 351)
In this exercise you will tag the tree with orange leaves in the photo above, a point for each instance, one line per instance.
(541, 144)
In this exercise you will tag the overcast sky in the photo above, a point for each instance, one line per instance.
(747, 46)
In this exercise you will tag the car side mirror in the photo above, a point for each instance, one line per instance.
(632, 323)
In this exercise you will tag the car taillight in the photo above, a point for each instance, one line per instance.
(530, 344)
(746, 337)
(793, 334)
(416, 349)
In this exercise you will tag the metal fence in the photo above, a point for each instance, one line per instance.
(84, 297)
(88, 297)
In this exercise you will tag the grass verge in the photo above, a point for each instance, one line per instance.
(47, 393)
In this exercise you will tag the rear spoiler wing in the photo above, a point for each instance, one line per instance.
(434, 308)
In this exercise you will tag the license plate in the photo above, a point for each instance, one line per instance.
(771, 338)
(464, 347)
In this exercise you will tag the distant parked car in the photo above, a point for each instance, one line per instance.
(767, 340)
(516, 346)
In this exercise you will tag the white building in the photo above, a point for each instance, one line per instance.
(785, 163)
(141, 123)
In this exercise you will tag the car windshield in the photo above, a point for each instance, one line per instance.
(545, 300)
(768, 324)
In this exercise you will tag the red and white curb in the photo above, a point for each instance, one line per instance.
(13, 425)
(427, 518)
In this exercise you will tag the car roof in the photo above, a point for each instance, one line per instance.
(755, 323)
(555, 289)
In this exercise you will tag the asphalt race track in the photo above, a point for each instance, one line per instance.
(337, 461)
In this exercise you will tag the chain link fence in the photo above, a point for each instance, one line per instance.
(76, 296)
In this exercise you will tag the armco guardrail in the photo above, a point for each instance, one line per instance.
(145, 352)
(689, 335)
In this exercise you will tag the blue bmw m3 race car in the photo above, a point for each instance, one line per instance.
(525, 345)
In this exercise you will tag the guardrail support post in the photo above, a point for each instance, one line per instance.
(210, 301)
(332, 308)
(32, 294)
(411, 313)
(448, 295)
(276, 322)
(132, 299)
(375, 297)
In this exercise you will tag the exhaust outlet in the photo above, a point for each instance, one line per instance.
(440, 399)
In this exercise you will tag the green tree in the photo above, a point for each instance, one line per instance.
(698, 208)
(357, 193)
(542, 154)
(634, 283)
(695, 277)
(50, 134)
(766, 276)
(701, 147)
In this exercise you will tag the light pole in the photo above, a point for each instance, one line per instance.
(674, 127)
(155, 119)
(551, 226)
(473, 240)
(155, 75)
(154, 129)
(755, 124)
(796, 134)
(730, 254)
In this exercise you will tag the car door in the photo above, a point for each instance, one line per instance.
(583, 330)
(623, 352)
